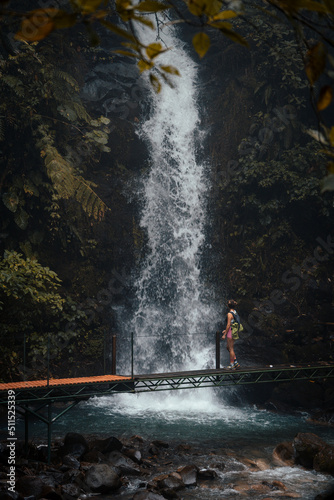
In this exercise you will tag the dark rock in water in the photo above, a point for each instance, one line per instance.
(53, 495)
(326, 495)
(160, 444)
(75, 444)
(154, 450)
(188, 474)
(32, 486)
(94, 457)
(135, 455)
(170, 482)
(323, 417)
(147, 495)
(284, 454)
(101, 478)
(125, 464)
(73, 475)
(207, 474)
(107, 445)
(71, 462)
(8, 495)
(71, 490)
(324, 460)
(306, 446)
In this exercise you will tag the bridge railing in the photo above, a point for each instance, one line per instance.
(56, 361)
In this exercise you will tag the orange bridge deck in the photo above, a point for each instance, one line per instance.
(54, 382)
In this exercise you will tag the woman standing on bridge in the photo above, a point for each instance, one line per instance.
(228, 333)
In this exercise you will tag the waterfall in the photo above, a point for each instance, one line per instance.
(174, 322)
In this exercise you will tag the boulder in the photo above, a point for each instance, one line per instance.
(323, 417)
(71, 462)
(328, 494)
(29, 486)
(70, 490)
(94, 457)
(283, 454)
(107, 445)
(324, 460)
(160, 444)
(8, 495)
(102, 478)
(134, 454)
(306, 446)
(170, 482)
(75, 444)
(125, 464)
(188, 474)
(207, 474)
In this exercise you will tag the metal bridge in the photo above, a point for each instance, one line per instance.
(37, 397)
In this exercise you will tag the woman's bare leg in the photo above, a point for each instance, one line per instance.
(230, 348)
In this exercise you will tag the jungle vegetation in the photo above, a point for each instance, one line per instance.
(62, 229)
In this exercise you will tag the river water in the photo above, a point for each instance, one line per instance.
(203, 419)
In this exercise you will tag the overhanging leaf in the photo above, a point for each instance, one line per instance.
(154, 49)
(144, 65)
(225, 14)
(37, 25)
(327, 183)
(316, 62)
(232, 35)
(21, 219)
(119, 31)
(155, 83)
(87, 6)
(11, 201)
(325, 97)
(170, 69)
(201, 43)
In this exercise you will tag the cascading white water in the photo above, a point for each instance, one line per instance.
(173, 319)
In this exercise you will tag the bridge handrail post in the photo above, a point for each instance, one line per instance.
(24, 356)
(48, 359)
(113, 359)
(217, 350)
(104, 351)
(131, 354)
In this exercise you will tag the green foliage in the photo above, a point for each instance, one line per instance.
(66, 181)
(289, 210)
(32, 306)
(44, 119)
(33, 286)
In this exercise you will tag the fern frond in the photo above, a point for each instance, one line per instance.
(70, 185)
(14, 83)
(80, 111)
(62, 75)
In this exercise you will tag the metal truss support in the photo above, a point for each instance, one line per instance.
(223, 378)
(48, 419)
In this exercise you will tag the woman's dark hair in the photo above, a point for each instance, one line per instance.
(232, 304)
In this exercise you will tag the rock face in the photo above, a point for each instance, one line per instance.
(172, 474)
(324, 460)
(306, 446)
(188, 474)
(75, 445)
(102, 478)
(306, 449)
(284, 454)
